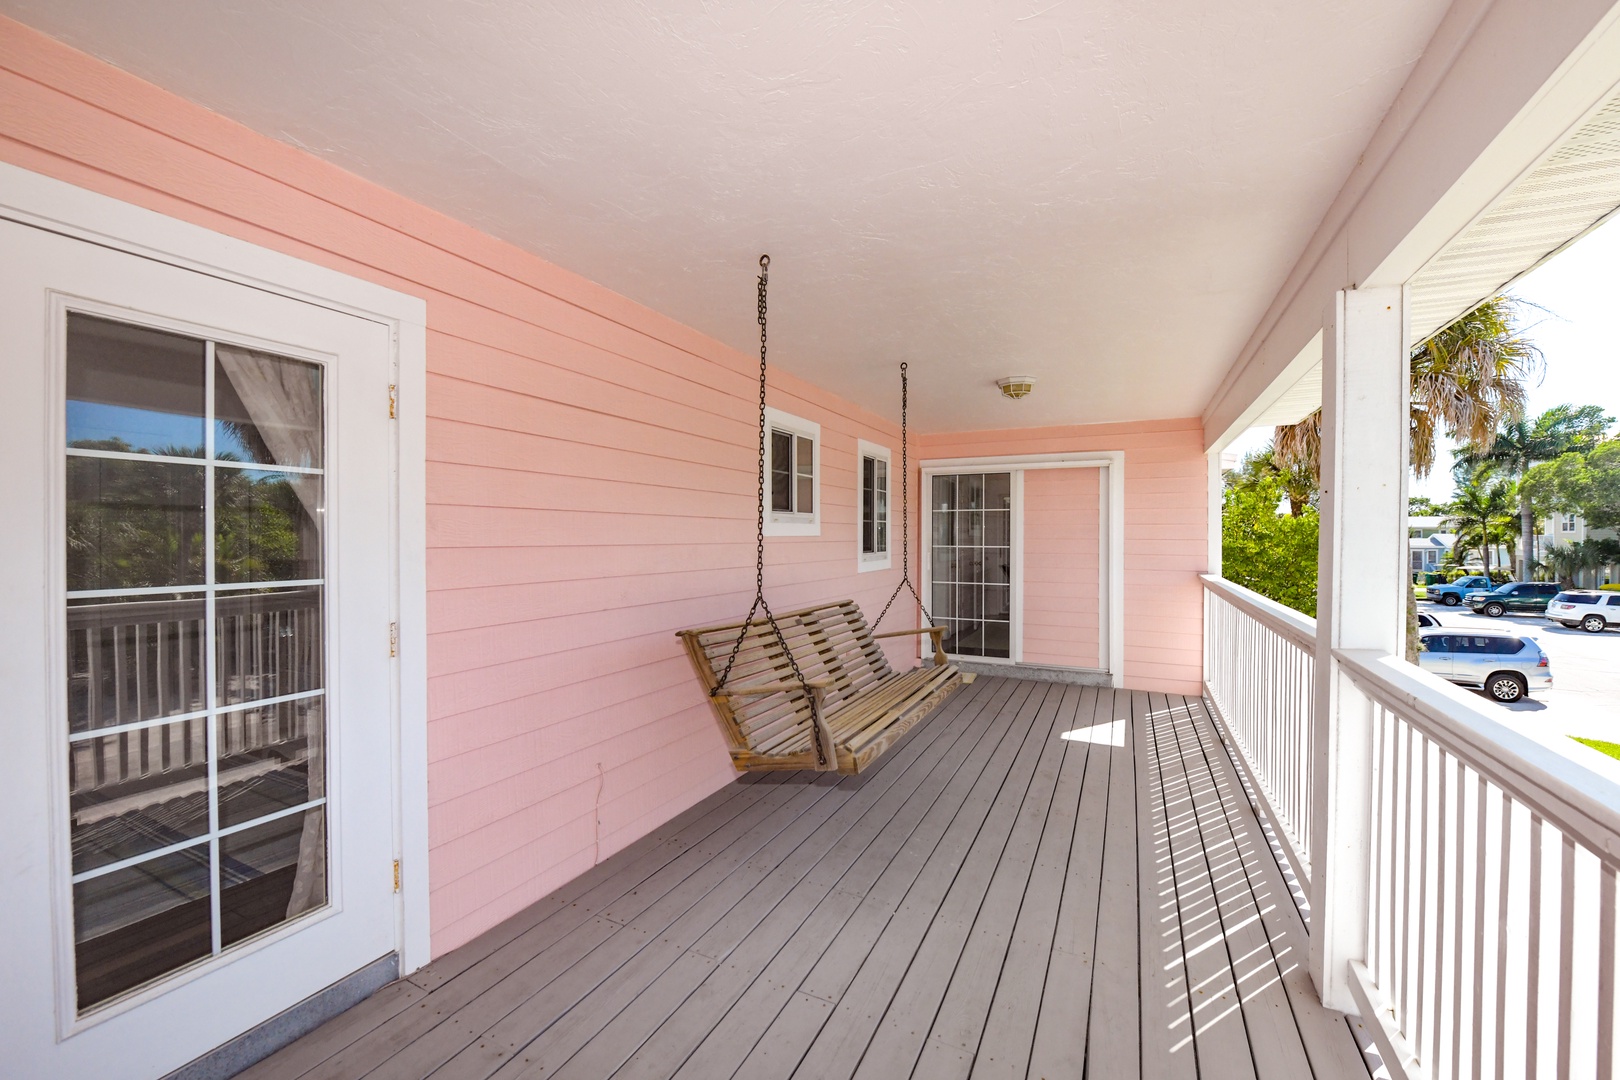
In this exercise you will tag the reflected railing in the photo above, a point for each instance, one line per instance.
(137, 694)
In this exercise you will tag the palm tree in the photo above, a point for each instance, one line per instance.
(1466, 380)
(1482, 512)
(1566, 561)
(1521, 444)
(1298, 483)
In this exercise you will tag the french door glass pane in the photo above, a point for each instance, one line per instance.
(134, 658)
(260, 871)
(267, 525)
(137, 791)
(271, 758)
(134, 524)
(134, 390)
(971, 561)
(267, 409)
(268, 643)
(197, 718)
(133, 925)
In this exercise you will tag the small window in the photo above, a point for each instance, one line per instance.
(1569, 523)
(793, 475)
(1614, 601)
(874, 475)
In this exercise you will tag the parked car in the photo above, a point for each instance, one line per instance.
(1526, 596)
(1451, 595)
(1426, 620)
(1593, 612)
(1504, 664)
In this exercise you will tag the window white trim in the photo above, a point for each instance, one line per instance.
(32, 199)
(884, 560)
(779, 523)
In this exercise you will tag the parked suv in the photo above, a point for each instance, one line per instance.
(1505, 665)
(1591, 611)
(1527, 596)
(1451, 595)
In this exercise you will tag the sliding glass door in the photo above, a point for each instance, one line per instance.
(971, 562)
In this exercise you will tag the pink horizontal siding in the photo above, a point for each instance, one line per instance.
(1166, 523)
(590, 483)
(1062, 549)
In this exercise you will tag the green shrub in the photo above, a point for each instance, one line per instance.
(1273, 554)
(1610, 588)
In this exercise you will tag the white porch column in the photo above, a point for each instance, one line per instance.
(1361, 604)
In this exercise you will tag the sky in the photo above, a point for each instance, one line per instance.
(1577, 328)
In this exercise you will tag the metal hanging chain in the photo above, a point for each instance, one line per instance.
(759, 550)
(905, 509)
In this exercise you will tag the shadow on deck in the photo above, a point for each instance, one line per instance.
(1039, 881)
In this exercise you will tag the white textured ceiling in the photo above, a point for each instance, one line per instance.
(1102, 193)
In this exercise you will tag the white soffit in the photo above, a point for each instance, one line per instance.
(1564, 197)
(1104, 195)
(1295, 403)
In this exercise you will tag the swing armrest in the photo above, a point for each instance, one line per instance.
(820, 732)
(937, 631)
(772, 688)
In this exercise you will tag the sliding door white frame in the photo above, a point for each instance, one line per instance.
(1111, 528)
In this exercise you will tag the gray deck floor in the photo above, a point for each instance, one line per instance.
(1039, 881)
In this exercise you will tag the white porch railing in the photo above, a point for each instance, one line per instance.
(1491, 866)
(1259, 669)
(1491, 877)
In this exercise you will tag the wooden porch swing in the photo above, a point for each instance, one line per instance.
(812, 689)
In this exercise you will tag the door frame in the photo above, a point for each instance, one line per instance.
(29, 198)
(1111, 512)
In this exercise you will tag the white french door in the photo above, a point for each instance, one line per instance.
(198, 779)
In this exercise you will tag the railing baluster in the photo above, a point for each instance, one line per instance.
(1566, 953)
(1478, 981)
(1532, 1024)
(1605, 975)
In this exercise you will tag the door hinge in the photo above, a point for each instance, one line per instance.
(393, 401)
(396, 875)
(393, 639)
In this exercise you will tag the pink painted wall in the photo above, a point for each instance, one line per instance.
(1062, 551)
(1166, 523)
(590, 483)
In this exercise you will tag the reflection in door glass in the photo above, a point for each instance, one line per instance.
(197, 722)
(971, 565)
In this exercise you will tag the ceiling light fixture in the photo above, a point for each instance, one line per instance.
(1016, 386)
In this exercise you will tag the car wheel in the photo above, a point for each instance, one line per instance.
(1593, 624)
(1505, 686)
(1495, 610)
(1451, 599)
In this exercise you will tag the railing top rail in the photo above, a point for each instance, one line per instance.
(1297, 628)
(1581, 803)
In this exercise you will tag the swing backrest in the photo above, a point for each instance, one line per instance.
(830, 642)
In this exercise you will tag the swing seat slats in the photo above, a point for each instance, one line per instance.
(863, 705)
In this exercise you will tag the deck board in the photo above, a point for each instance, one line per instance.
(1026, 885)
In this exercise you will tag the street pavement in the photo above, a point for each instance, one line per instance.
(1585, 697)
